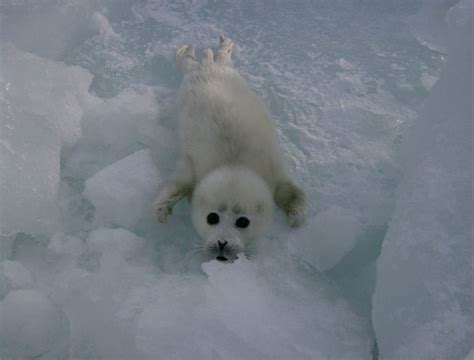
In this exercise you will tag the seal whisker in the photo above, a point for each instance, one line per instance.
(251, 252)
(197, 250)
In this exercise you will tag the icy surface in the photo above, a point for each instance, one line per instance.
(423, 304)
(88, 134)
(328, 237)
(122, 191)
(13, 275)
(41, 107)
(32, 327)
(235, 310)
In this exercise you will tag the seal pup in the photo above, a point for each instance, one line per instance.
(231, 166)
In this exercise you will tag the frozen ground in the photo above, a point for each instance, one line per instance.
(87, 134)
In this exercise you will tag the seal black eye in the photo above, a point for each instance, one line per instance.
(213, 218)
(242, 222)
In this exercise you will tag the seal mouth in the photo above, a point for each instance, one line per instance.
(221, 258)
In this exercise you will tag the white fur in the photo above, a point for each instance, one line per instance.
(231, 192)
(230, 156)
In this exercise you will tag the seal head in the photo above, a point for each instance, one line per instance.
(231, 208)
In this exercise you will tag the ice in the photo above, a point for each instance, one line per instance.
(62, 244)
(32, 327)
(29, 162)
(50, 90)
(121, 192)
(470, 356)
(115, 128)
(429, 26)
(337, 230)
(423, 304)
(13, 275)
(125, 243)
(88, 135)
(246, 311)
(42, 104)
(122, 120)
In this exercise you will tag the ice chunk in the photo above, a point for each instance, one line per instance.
(102, 26)
(121, 241)
(112, 129)
(428, 80)
(29, 173)
(122, 192)
(54, 92)
(247, 310)
(41, 108)
(32, 327)
(429, 26)
(66, 245)
(92, 297)
(327, 237)
(6, 244)
(63, 25)
(13, 275)
(122, 120)
(423, 301)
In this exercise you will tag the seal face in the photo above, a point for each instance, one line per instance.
(230, 167)
(224, 231)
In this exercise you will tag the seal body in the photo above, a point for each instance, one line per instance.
(222, 122)
(231, 166)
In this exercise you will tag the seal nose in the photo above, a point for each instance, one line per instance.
(221, 245)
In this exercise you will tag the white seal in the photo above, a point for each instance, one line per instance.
(230, 167)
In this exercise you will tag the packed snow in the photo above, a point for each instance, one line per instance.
(383, 266)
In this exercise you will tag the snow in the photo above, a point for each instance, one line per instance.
(125, 243)
(383, 265)
(424, 273)
(13, 275)
(32, 327)
(327, 238)
(231, 314)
